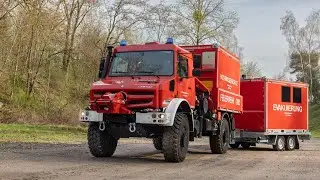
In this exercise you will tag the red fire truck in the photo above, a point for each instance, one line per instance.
(274, 112)
(165, 92)
(174, 94)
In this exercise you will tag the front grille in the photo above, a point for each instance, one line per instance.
(135, 99)
(138, 100)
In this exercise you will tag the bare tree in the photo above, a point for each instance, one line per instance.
(7, 6)
(160, 20)
(199, 21)
(293, 33)
(121, 16)
(310, 34)
(303, 42)
(251, 69)
(75, 11)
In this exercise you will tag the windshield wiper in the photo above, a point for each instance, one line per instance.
(146, 72)
(119, 72)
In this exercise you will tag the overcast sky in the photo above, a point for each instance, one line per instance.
(259, 29)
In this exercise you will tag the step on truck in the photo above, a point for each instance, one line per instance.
(274, 112)
(172, 94)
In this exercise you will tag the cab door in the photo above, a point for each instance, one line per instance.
(186, 87)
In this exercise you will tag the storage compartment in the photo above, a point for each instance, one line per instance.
(273, 106)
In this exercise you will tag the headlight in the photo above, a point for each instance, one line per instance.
(161, 116)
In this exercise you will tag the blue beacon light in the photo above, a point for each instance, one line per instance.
(123, 43)
(169, 41)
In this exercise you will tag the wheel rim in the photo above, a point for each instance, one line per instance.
(291, 142)
(280, 143)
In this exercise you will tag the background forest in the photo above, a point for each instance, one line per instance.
(50, 49)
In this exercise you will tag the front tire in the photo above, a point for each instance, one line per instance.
(101, 144)
(157, 143)
(280, 144)
(219, 143)
(175, 139)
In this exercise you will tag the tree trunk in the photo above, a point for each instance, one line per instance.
(310, 76)
(28, 62)
(65, 59)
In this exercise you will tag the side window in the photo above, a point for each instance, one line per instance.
(208, 59)
(285, 94)
(182, 66)
(197, 61)
(297, 95)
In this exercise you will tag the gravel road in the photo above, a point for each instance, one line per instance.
(139, 160)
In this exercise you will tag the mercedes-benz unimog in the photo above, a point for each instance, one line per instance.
(172, 94)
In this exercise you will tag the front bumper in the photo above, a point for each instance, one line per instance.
(90, 116)
(155, 118)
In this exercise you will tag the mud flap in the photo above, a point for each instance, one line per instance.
(232, 137)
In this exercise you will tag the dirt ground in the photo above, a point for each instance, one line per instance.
(134, 160)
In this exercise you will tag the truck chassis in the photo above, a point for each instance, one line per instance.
(279, 139)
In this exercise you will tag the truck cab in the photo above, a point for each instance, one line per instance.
(149, 76)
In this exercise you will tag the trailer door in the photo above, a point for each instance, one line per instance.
(287, 107)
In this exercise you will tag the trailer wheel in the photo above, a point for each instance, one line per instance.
(101, 144)
(219, 143)
(290, 143)
(175, 139)
(157, 143)
(245, 145)
(280, 144)
(234, 146)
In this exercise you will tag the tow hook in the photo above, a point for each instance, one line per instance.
(132, 127)
(102, 126)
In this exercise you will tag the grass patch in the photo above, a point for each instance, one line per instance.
(315, 134)
(314, 120)
(42, 133)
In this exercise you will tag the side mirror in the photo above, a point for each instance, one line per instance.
(101, 67)
(196, 61)
(196, 72)
(104, 62)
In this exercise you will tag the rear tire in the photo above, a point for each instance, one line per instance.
(157, 143)
(297, 143)
(101, 144)
(175, 139)
(290, 143)
(235, 146)
(219, 143)
(280, 144)
(245, 145)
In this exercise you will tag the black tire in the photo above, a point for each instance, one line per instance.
(101, 144)
(297, 143)
(245, 145)
(280, 144)
(235, 146)
(175, 139)
(219, 143)
(290, 143)
(157, 143)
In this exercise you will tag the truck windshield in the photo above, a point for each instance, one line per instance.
(142, 63)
